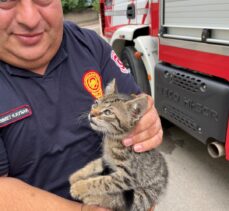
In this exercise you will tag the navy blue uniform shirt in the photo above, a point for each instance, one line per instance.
(44, 132)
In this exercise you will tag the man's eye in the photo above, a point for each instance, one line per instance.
(7, 1)
(40, 2)
(43, 2)
(7, 4)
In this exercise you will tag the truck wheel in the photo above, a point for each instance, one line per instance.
(136, 67)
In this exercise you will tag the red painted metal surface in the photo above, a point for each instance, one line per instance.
(154, 16)
(105, 20)
(207, 63)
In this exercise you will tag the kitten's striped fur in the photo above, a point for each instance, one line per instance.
(122, 179)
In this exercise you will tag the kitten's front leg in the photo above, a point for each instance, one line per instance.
(93, 168)
(101, 185)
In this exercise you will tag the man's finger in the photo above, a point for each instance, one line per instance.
(147, 134)
(150, 143)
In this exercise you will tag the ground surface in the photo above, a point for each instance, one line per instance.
(197, 182)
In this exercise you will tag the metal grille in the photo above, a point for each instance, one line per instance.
(181, 118)
(187, 82)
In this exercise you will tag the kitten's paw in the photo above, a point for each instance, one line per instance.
(75, 178)
(91, 200)
(79, 190)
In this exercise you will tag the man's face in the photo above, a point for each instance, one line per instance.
(30, 31)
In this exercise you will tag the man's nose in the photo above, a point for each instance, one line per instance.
(28, 14)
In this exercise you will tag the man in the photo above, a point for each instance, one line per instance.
(50, 73)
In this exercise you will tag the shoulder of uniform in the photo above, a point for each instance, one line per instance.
(82, 34)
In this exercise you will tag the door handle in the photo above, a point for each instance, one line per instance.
(130, 11)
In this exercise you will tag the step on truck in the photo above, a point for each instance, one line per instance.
(178, 52)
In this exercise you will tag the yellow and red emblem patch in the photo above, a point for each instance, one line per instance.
(92, 82)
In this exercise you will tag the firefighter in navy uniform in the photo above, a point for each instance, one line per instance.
(50, 74)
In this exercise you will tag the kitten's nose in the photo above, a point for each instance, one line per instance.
(94, 113)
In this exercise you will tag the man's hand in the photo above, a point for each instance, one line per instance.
(152, 208)
(93, 208)
(148, 132)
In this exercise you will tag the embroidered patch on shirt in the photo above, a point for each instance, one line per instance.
(15, 115)
(92, 82)
(119, 63)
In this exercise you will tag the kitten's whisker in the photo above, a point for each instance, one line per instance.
(82, 117)
(99, 147)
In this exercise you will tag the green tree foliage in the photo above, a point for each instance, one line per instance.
(69, 5)
(95, 5)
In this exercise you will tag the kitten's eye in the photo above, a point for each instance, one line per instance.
(95, 104)
(107, 112)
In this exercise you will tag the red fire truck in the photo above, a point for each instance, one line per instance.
(177, 51)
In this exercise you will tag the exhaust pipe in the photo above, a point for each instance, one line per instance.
(216, 149)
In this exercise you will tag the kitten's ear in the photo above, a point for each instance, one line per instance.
(137, 106)
(111, 88)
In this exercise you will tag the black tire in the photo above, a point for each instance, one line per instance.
(137, 68)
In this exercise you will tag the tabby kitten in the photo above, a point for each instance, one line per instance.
(121, 179)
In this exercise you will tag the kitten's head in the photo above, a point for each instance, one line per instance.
(116, 114)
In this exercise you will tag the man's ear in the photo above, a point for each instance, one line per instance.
(111, 88)
(137, 106)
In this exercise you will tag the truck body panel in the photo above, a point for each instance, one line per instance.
(187, 62)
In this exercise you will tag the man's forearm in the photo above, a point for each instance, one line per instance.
(16, 195)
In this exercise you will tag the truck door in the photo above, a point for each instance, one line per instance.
(142, 12)
(118, 13)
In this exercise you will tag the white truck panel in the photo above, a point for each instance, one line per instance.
(119, 12)
(148, 46)
(197, 13)
(186, 20)
(142, 11)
